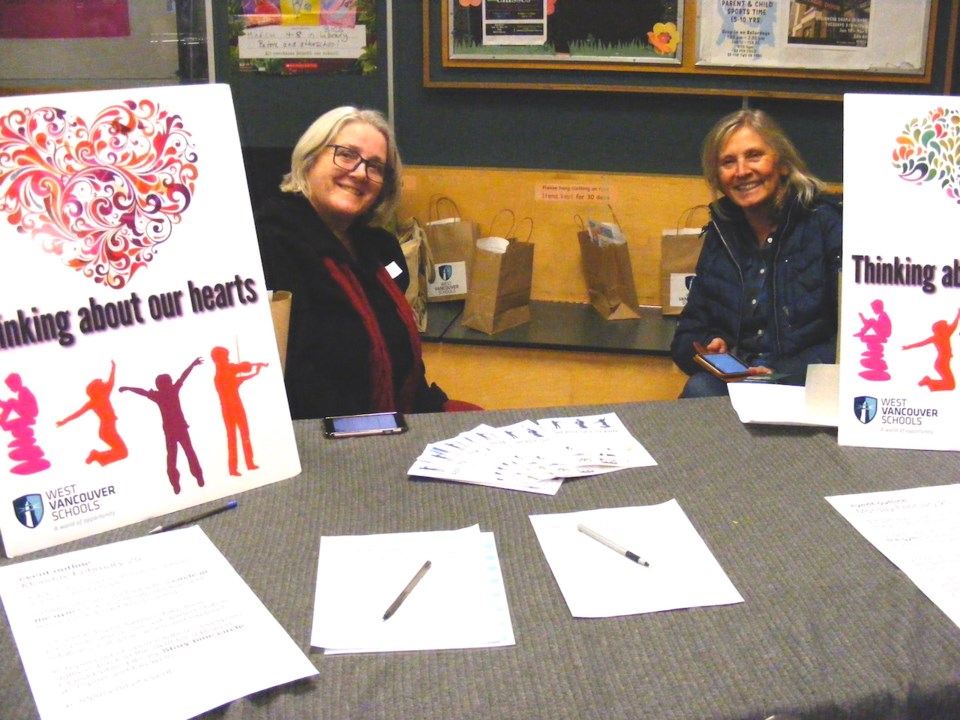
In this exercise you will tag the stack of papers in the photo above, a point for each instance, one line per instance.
(449, 584)
(672, 567)
(534, 456)
(157, 627)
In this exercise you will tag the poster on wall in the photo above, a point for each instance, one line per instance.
(901, 272)
(514, 22)
(565, 31)
(296, 37)
(139, 370)
(883, 36)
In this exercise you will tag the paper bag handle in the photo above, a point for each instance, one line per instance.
(530, 220)
(513, 222)
(433, 213)
(687, 214)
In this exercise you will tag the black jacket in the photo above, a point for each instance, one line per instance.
(804, 287)
(328, 352)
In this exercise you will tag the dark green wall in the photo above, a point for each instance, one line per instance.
(564, 130)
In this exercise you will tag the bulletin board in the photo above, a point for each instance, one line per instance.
(813, 49)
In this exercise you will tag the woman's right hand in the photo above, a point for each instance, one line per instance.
(717, 345)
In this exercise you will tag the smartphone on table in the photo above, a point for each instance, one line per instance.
(384, 423)
(724, 365)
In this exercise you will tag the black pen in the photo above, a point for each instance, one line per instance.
(613, 546)
(189, 521)
(407, 590)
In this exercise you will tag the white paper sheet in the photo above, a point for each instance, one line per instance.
(158, 627)
(461, 601)
(599, 582)
(918, 531)
(771, 404)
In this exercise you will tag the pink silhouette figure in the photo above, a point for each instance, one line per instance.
(227, 379)
(874, 333)
(18, 415)
(175, 427)
(99, 404)
(940, 339)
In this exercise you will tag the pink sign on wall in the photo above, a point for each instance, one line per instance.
(63, 19)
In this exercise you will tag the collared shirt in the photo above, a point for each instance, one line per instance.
(757, 310)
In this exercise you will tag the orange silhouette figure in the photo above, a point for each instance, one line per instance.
(99, 404)
(175, 427)
(940, 339)
(227, 379)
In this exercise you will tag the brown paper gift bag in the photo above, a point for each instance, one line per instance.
(280, 302)
(451, 240)
(679, 252)
(413, 242)
(605, 259)
(499, 296)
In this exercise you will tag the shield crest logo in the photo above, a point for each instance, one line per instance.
(446, 272)
(865, 408)
(29, 509)
(688, 281)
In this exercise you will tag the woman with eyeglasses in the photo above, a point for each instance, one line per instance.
(353, 345)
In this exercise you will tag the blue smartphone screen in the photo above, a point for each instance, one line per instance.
(727, 364)
(365, 423)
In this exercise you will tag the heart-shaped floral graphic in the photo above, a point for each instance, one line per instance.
(102, 196)
(928, 150)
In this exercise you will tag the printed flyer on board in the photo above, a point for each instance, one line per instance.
(139, 371)
(883, 36)
(901, 272)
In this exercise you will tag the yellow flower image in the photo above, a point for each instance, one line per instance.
(664, 38)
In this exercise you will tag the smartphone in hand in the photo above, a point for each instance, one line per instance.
(724, 365)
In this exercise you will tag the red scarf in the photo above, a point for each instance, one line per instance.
(383, 396)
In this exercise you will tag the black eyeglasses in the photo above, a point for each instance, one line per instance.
(349, 159)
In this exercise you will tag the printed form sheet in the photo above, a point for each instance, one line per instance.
(918, 531)
(158, 627)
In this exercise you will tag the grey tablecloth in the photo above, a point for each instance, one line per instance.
(829, 628)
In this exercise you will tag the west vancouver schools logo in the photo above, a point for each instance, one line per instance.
(445, 271)
(928, 150)
(865, 408)
(29, 509)
(101, 195)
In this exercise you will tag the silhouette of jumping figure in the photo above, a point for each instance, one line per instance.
(99, 404)
(18, 414)
(874, 333)
(227, 379)
(941, 333)
(175, 427)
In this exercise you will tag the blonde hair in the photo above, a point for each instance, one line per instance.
(321, 133)
(799, 179)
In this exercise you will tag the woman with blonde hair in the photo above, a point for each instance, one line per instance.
(766, 286)
(353, 346)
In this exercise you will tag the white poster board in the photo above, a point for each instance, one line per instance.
(135, 329)
(901, 272)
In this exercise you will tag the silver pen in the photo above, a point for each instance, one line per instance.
(612, 545)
